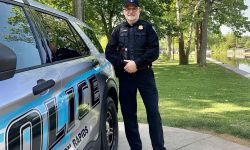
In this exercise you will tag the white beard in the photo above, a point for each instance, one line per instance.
(132, 19)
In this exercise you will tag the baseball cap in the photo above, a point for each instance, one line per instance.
(135, 2)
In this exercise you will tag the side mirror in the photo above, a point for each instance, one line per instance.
(7, 62)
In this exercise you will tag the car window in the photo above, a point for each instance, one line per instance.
(62, 39)
(15, 33)
(92, 37)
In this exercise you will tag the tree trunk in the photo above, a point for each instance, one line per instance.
(200, 41)
(169, 39)
(83, 11)
(204, 34)
(197, 42)
(198, 38)
(105, 24)
(182, 56)
(197, 6)
(78, 9)
(173, 48)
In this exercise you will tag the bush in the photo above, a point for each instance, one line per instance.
(164, 57)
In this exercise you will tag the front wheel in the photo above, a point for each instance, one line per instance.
(110, 127)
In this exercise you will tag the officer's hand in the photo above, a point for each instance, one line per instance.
(130, 67)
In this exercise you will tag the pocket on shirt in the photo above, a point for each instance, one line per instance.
(123, 38)
(140, 38)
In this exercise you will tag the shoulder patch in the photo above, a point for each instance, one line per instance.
(153, 28)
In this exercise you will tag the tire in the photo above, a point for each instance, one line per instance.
(110, 127)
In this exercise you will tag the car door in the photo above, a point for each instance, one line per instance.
(79, 100)
(28, 98)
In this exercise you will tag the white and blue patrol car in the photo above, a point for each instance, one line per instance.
(57, 90)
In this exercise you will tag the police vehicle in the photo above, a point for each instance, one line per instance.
(57, 90)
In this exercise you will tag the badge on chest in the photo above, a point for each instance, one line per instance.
(140, 27)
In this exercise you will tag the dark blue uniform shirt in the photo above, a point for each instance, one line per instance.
(138, 43)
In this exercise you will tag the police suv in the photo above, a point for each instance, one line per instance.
(57, 90)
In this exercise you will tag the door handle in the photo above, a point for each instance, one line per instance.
(42, 86)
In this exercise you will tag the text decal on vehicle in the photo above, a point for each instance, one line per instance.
(32, 121)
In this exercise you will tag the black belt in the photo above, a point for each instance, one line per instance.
(145, 67)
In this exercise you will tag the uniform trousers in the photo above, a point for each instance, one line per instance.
(144, 81)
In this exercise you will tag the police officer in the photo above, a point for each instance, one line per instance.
(132, 48)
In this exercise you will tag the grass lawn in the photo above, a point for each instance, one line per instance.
(210, 98)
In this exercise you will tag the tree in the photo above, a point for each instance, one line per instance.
(204, 16)
(170, 18)
(171, 28)
(215, 13)
(203, 46)
(103, 16)
(183, 10)
(191, 25)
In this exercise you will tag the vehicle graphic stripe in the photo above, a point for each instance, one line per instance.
(38, 104)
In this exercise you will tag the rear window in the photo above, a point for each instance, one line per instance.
(62, 39)
(15, 33)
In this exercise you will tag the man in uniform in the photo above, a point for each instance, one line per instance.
(132, 48)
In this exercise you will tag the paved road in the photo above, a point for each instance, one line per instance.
(180, 139)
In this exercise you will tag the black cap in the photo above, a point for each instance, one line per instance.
(135, 2)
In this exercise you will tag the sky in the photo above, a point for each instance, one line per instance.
(225, 29)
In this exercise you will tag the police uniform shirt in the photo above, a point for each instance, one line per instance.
(138, 43)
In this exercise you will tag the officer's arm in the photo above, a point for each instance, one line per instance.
(152, 49)
(111, 52)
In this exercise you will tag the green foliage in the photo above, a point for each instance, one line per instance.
(164, 57)
(163, 43)
(104, 15)
(220, 48)
(230, 40)
(247, 44)
(218, 42)
(229, 12)
(62, 5)
(20, 30)
(244, 41)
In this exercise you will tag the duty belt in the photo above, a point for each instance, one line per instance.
(145, 67)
